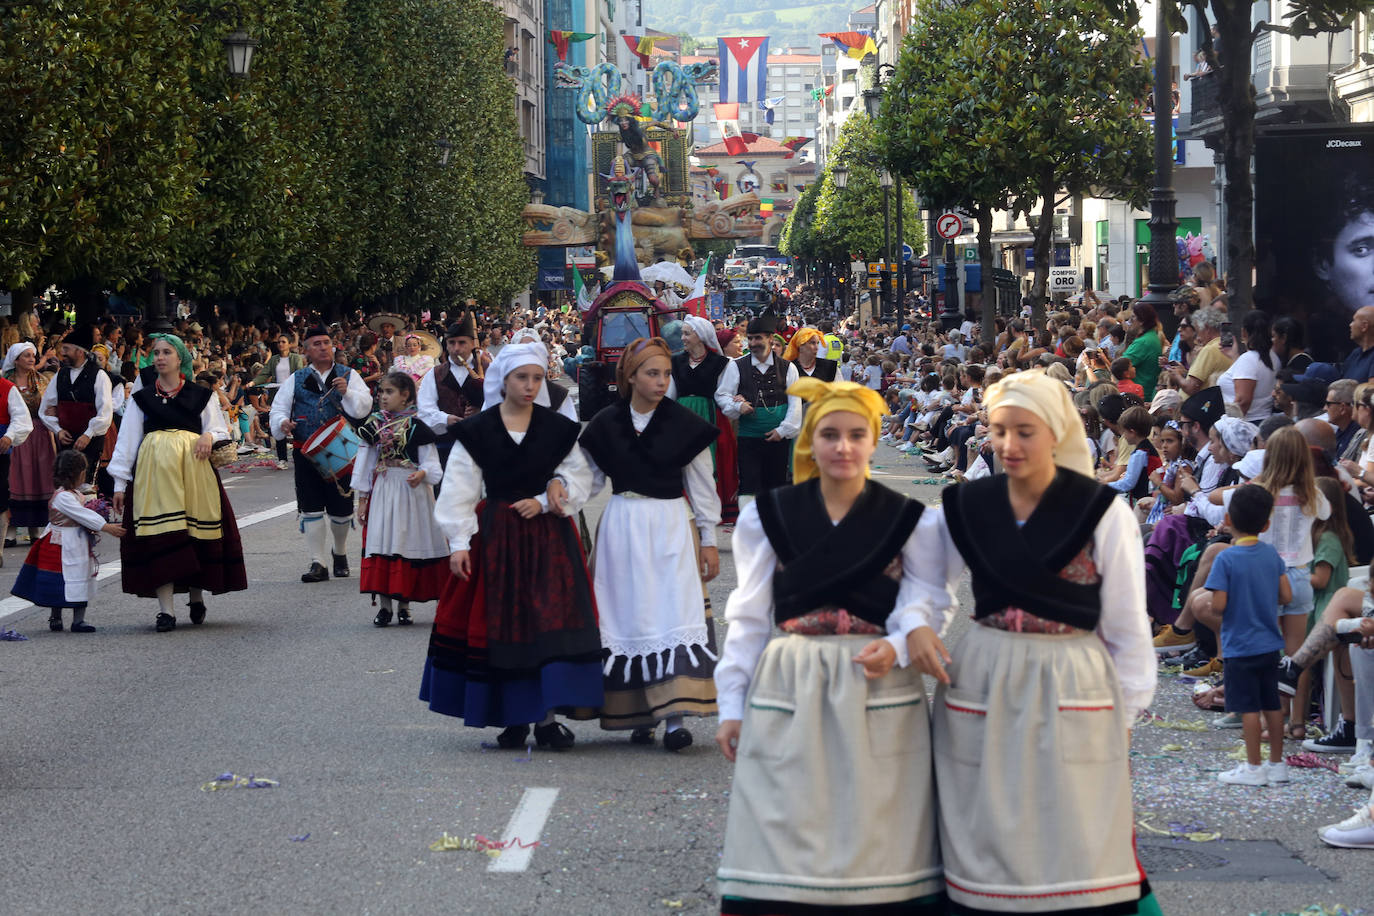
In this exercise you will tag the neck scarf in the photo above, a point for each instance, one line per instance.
(393, 431)
(826, 398)
(1049, 400)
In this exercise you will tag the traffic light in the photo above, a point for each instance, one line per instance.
(885, 284)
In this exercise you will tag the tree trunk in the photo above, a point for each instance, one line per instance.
(1237, 102)
(1044, 234)
(989, 319)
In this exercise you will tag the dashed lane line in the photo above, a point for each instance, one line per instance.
(523, 830)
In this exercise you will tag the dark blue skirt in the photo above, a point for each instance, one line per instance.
(571, 689)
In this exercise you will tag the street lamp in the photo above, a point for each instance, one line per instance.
(1163, 222)
(445, 148)
(885, 269)
(239, 48)
(840, 175)
(873, 103)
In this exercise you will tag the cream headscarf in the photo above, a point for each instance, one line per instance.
(508, 359)
(826, 398)
(1050, 401)
(12, 355)
(704, 330)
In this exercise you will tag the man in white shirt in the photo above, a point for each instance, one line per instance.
(315, 396)
(768, 416)
(77, 405)
(452, 390)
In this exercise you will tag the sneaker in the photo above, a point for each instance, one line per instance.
(1170, 640)
(1361, 778)
(1288, 676)
(904, 447)
(1211, 667)
(1340, 741)
(1243, 774)
(1230, 720)
(282, 465)
(1277, 773)
(1358, 759)
(1191, 659)
(1355, 832)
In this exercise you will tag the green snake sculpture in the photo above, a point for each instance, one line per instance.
(675, 88)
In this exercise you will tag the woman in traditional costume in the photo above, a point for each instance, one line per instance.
(832, 807)
(701, 374)
(182, 534)
(31, 462)
(648, 568)
(1032, 718)
(405, 552)
(515, 634)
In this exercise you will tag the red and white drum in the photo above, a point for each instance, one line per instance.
(332, 449)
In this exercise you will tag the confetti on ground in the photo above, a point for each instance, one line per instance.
(300, 839)
(231, 781)
(1310, 761)
(1171, 747)
(1185, 725)
(1179, 832)
(932, 481)
(8, 634)
(672, 904)
(478, 843)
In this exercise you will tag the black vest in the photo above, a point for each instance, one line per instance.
(1019, 566)
(763, 389)
(511, 471)
(842, 565)
(454, 398)
(82, 390)
(700, 381)
(180, 412)
(648, 463)
(1142, 486)
(823, 370)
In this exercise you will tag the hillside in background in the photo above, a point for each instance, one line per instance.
(785, 22)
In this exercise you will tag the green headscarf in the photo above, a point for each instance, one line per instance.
(182, 353)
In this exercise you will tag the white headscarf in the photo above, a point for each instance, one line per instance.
(1236, 434)
(1050, 401)
(526, 335)
(12, 355)
(511, 357)
(704, 330)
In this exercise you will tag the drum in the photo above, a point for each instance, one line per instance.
(332, 449)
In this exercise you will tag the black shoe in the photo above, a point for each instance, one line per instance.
(165, 622)
(317, 573)
(82, 627)
(555, 735)
(513, 738)
(1289, 673)
(1193, 658)
(642, 736)
(1340, 741)
(340, 566)
(382, 619)
(403, 617)
(197, 609)
(677, 739)
(55, 623)
(11, 542)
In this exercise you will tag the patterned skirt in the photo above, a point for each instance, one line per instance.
(31, 479)
(40, 579)
(518, 638)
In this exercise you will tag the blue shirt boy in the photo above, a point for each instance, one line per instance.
(1250, 577)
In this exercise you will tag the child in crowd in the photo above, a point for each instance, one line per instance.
(60, 568)
(1164, 480)
(1134, 482)
(1248, 585)
(1123, 373)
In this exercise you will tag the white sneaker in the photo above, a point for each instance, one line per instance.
(1355, 832)
(1358, 759)
(1243, 774)
(1361, 778)
(904, 447)
(1277, 773)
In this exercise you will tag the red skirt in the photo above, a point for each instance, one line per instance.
(727, 469)
(401, 578)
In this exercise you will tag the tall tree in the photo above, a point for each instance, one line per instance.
(849, 220)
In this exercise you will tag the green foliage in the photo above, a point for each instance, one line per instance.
(850, 221)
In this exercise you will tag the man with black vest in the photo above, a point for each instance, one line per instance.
(452, 390)
(768, 416)
(77, 406)
(316, 395)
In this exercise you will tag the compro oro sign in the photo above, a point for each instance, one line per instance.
(1064, 280)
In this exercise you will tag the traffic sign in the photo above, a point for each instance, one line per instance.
(907, 252)
(970, 253)
(949, 225)
(875, 266)
(872, 282)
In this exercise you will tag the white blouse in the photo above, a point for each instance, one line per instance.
(699, 479)
(121, 466)
(749, 611)
(1124, 625)
(455, 509)
(365, 462)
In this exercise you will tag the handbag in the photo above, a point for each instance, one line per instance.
(222, 453)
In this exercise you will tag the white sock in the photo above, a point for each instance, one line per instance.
(315, 537)
(384, 601)
(164, 599)
(672, 724)
(340, 531)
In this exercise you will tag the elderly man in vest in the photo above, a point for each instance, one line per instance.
(77, 405)
(768, 416)
(452, 390)
(315, 396)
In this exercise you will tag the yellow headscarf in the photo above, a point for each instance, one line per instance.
(826, 398)
(799, 338)
(1050, 401)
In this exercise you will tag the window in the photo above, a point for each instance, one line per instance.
(807, 87)
(775, 86)
(794, 87)
(794, 71)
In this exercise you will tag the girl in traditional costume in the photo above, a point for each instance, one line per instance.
(515, 634)
(183, 536)
(31, 463)
(405, 553)
(648, 569)
(1032, 717)
(832, 807)
(701, 376)
(61, 566)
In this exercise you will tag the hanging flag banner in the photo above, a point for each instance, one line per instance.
(794, 144)
(767, 106)
(743, 69)
(727, 116)
(560, 39)
(857, 45)
(641, 46)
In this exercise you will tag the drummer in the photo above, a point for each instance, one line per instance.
(314, 396)
(453, 390)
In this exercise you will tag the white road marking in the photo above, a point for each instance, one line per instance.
(525, 826)
(12, 605)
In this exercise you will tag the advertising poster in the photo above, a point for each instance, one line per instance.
(1314, 229)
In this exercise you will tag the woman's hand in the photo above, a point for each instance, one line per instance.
(415, 478)
(361, 512)
(203, 444)
(557, 495)
(460, 564)
(1352, 468)
(527, 508)
(118, 502)
(727, 738)
(928, 653)
(877, 658)
(112, 529)
(708, 561)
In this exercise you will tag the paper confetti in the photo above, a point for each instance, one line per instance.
(300, 839)
(477, 843)
(1196, 836)
(672, 904)
(1196, 725)
(8, 634)
(1310, 761)
(232, 781)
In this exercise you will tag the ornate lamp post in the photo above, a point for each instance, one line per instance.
(1163, 222)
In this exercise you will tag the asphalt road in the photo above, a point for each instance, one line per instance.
(109, 738)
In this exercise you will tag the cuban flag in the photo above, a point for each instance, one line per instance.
(743, 69)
